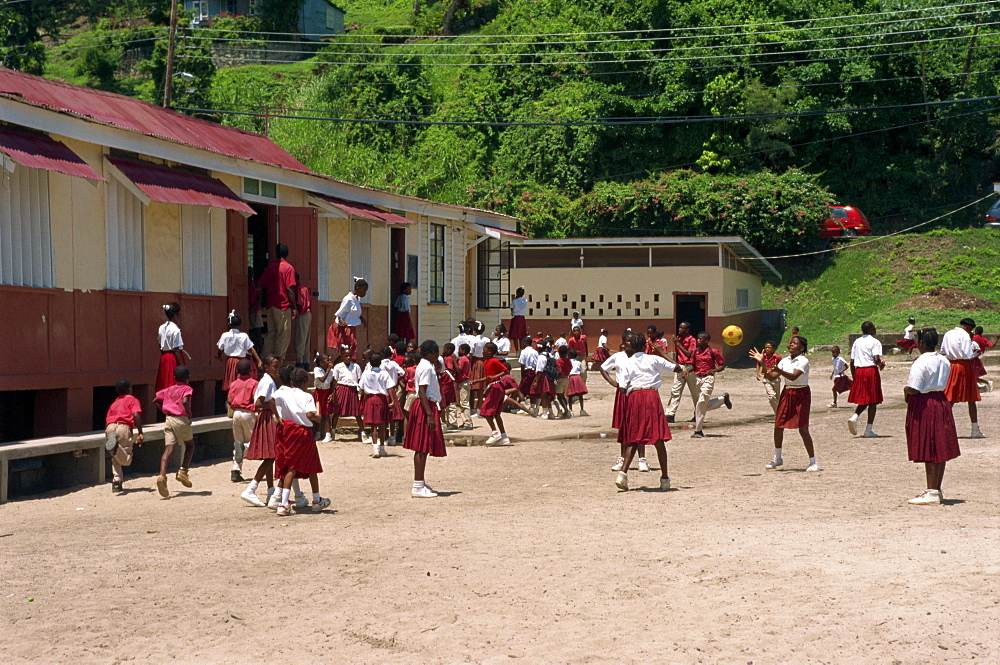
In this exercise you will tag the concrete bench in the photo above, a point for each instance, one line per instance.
(85, 461)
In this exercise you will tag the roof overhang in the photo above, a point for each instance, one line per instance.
(166, 184)
(38, 151)
(338, 207)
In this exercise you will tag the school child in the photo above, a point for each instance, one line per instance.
(866, 386)
(559, 343)
(501, 341)
(576, 321)
(284, 387)
(518, 326)
(461, 338)
(643, 421)
(841, 382)
(985, 385)
(616, 363)
(684, 346)
(449, 393)
(565, 366)
(395, 372)
(374, 385)
(175, 403)
(463, 385)
(576, 387)
(543, 388)
(578, 342)
(124, 414)
(171, 346)
(404, 325)
(347, 318)
(707, 363)
(409, 385)
(528, 359)
(296, 454)
(602, 352)
(772, 387)
(264, 434)
(234, 346)
(654, 336)
(909, 341)
(476, 345)
(793, 406)
(956, 346)
(344, 400)
(423, 430)
(399, 352)
(495, 394)
(931, 437)
(322, 389)
(240, 398)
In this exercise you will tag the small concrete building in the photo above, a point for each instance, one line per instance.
(619, 283)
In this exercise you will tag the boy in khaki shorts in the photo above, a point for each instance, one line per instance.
(124, 414)
(241, 401)
(175, 402)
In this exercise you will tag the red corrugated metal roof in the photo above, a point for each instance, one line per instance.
(145, 118)
(174, 185)
(41, 152)
(364, 210)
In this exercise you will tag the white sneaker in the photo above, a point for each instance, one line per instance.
(375, 451)
(929, 497)
(251, 498)
(831, 405)
(321, 505)
(621, 481)
(424, 492)
(382, 452)
(493, 438)
(643, 464)
(774, 464)
(619, 464)
(664, 484)
(977, 433)
(545, 416)
(869, 435)
(812, 467)
(274, 500)
(326, 439)
(365, 438)
(285, 511)
(852, 425)
(583, 413)
(301, 501)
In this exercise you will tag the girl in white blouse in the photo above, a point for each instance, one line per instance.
(795, 400)
(171, 346)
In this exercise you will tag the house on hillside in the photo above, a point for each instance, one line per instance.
(317, 18)
(111, 207)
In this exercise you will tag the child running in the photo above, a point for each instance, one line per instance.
(376, 412)
(841, 382)
(616, 363)
(175, 403)
(498, 383)
(264, 434)
(124, 414)
(769, 360)
(423, 429)
(322, 389)
(909, 341)
(793, 405)
(240, 398)
(707, 363)
(576, 387)
(296, 454)
(956, 346)
(866, 387)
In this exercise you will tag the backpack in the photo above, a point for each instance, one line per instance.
(551, 369)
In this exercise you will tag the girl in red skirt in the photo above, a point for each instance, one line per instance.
(265, 432)
(576, 386)
(931, 437)
(838, 374)
(518, 326)
(495, 394)
(396, 416)
(616, 363)
(957, 346)
(296, 453)
(344, 401)
(376, 412)
(866, 386)
(234, 346)
(601, 353)
(404, 325)
(477, 342)
(171, 347)
(423, 429)
(528, 359)
(322, 383)
(543, 387)
(795, 400)
(909, 341)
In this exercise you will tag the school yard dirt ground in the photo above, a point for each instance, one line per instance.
(531, 555)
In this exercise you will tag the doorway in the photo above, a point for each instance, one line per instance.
(691, 307)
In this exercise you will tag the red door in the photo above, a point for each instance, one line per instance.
(236, 264)
(298, 228)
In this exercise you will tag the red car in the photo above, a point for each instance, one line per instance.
(844, 222)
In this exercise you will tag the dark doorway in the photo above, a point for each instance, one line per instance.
(17, 415)
(260, 242)
(691, 307)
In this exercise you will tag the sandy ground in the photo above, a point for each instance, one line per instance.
(531, 555)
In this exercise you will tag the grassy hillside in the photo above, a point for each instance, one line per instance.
(828, 298)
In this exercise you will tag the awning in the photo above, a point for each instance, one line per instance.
(173, 185)
(37, 151)
(362, 210)
(498, 233)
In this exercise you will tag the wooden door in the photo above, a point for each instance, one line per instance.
(298, 228)
(237, 282)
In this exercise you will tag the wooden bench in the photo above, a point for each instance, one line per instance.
(87, 449)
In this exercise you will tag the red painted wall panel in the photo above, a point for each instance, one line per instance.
(61, 327)
(124, 318)
(91, 331)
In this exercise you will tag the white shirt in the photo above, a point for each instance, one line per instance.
(461, 339)
(265, 388)
(392, 368)
(170, 337)
(426, 375)
(790, 364)
(560, 342)
(614, 361)
(577, 367)
(642, 371)
(602, 341)
(519, 306)
(503, 345)
(347, 376)
(293, 404)
(235, 344)
(375, 381)
(957, 345)
(543, 360)
(479, 341)
(909, 333)
(839, 366)
(576, 323)
(864, 350)
(350, 310)
(528, 357)
(318, 375)
(929, 372)
(402, 303)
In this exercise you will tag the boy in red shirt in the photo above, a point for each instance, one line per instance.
(707, 363)
(241, 401)
(175, 403)
(565, 366)
(124, 414)
(463, 369)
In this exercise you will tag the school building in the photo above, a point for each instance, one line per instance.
(111, 207)
(619, 283)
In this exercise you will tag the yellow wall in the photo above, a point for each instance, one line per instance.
(77, 217)
(381, 288)
(340, 258)
(163, 247)
(732, 280)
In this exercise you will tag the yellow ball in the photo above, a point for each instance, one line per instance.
(732, 335)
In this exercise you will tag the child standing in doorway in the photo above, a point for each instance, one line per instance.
(175, 403)
(404, 325)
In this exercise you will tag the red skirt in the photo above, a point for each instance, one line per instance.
(793, 408)
(576, 386)
(165, 374)
(296, 451)
(518, 328)
(376, 410)
(396, 410)
(404, 327)
(493, 400)
(930, 428)
(478, 370)
(418, 438)
(842, 384)
(448, 395)
(906, 344)
(644, 422)
(977, 364)
(230, 374)
(527, 378)
(346, 402)
(962, 386)
(600, 355)
(867, 387)
(618, 413)
(322, 397)
(542, 385)
(338, 335)
(263, 437)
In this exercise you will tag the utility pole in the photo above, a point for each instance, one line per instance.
(168, 84)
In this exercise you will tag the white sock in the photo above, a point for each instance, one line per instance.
(868, 428)
(777, 453)
(316, 497)
(252, 487)
(284, 495)
(812, 460)
(418, 484)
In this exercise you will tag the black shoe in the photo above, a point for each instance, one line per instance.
(670, 419)
(727, 401)
(698, 435)
(236, 477)
(116, 487)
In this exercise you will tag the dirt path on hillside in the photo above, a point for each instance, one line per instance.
(533, 556)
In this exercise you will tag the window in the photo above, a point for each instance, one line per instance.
(25, 230)
(493, 283)
(254, 8)
(261, 188)
(361, 253)
(742, 299)
(126, 245)
(199, 8)
(196, 249)
(435, 276)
